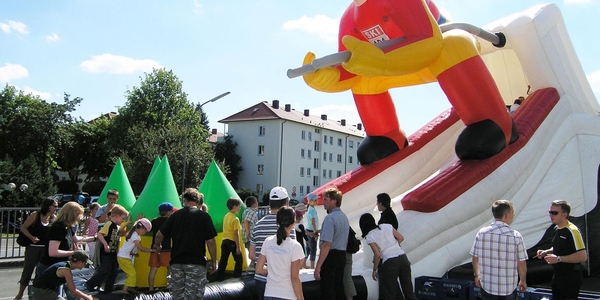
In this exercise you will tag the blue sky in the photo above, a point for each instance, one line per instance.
(98, 49)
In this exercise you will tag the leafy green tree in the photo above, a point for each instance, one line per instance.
(158, 119)
(226, 152)
(32, 131)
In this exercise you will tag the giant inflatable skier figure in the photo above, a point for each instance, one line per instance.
(422, 54)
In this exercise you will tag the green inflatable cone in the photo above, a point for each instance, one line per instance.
(118, 180)
(217, 190)
(160, 188)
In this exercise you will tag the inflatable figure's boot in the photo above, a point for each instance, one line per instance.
(475, 96)
(384, 137)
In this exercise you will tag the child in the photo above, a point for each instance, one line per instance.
(128, 251)
(109, 238)
(163, 258)
(90, 228)
(46, 285)
(300, 232)
(231, 240)
(312, 228)
(249, 219)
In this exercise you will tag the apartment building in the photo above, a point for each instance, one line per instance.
(293, 149)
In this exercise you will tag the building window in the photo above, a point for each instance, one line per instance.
(261, 169)
(301, 171)
(349, 159)
(339, 158)
(324, 173)
(331, 140)
(310, 136)
(261, 149)
(316, 181)
(317, 146)
(307, 171)
(351, 144)
(259, 188)
(308, 189)
(317, 130)
(325, 139)
(302, 153)
(303, 134)
(309, 154)
(330, 156)
(339, 173)
(301, 189)
(316, 163)
(261, 130)
(325, 156)
(329, 174)
(340, 142)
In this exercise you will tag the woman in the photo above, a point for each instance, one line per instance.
(284, 255)
(390, 261)
(62, 240)
(36, 229)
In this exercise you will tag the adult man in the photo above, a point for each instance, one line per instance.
(265, 227)
(190, 230)
(566, 254)
(334, 239)
(112, 197)
(387, 214)
(421, 54)
(499, 256)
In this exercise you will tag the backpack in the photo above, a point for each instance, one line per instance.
(353, 243)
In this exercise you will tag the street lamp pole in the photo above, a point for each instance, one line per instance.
(198, 107)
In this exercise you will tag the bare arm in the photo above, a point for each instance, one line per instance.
(104, 216)
(68, 275)
(212, 250)
(158, 239)
(376, 259)
(236, 234)
(261, 269)
(53, 250)
(138, 244)
(102, 240)
(86, 225)
(247, 229)
(522, 269)
(475, 261)
(325, 247)
(295, 276)
(541, 253)
(24, 228)
(252, 252)
(573, 258)
(398, 236)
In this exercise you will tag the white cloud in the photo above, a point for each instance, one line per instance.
(198, 10)
(324, 26)
(10, 25)
(52, 38)
(578, 1)
(43, 95)
(12, 71)
(115, 64)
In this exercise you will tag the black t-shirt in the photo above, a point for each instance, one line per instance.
(58, 232)
(157, 224)
(189, 229)
(388, 217)
(566, 241)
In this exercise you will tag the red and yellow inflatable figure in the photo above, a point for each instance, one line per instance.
(423, 55)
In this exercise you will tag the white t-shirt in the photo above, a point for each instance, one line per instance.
(386, 242)
(279, 259)
(127, 248)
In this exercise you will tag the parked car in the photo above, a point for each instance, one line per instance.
(82, 198)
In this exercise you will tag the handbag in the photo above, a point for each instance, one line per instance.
(22, 239)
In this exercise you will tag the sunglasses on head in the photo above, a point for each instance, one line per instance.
(554, 212)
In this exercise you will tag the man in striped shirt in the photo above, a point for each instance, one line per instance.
(499, 256)
(567, 253)
(265, 227)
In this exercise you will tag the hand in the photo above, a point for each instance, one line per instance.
(139, 216)
(317, 273)
(366, 60)
(375, 275)
(238, 251)
(106, 248)
(551, 259)
(35, 239)
(478, 281)
(541, 254)
(323, 79)
(214, 267)
(522, 286)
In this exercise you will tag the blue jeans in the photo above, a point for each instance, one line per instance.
(311, 251)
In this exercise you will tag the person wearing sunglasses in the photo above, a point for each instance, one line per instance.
(566, 254)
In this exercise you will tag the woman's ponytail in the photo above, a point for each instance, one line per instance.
(285, 218)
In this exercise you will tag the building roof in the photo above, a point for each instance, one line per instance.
(266, 111)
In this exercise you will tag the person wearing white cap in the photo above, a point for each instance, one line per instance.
(129, 250)
(265, 227)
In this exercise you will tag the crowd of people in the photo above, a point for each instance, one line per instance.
(279, 245)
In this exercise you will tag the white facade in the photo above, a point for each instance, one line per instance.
(281, 146)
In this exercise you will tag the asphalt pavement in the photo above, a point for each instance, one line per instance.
(10, 273)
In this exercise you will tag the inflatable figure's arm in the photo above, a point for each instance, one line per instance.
(421, 46)
(327, 79)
